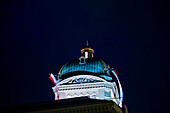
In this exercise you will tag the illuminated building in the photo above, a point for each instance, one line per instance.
(83, 85)
(87, 76)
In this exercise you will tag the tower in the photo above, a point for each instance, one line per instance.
(87, 76)
(87, 52)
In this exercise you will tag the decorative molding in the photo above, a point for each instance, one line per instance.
(79, 79)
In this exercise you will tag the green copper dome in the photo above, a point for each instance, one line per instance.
(93, 66)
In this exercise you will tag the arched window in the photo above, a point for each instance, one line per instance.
(82, 60)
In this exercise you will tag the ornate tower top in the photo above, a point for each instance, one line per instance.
(87, 52)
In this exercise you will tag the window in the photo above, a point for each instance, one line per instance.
(86, 54)
(82, 60)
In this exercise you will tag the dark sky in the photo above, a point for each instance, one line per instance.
(38, 37)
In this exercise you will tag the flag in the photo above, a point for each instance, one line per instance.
(53, 79)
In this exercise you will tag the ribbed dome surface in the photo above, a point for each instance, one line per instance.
(91, 65)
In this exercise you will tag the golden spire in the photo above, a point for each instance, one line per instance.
(87, 43)
(87, 48)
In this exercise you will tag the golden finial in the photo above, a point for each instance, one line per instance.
(87, 48)
(87, 43)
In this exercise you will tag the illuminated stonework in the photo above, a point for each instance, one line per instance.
(87, 76)
(96, 88)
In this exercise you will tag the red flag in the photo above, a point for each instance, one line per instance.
(52, 78)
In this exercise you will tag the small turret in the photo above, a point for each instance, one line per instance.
(87, 52)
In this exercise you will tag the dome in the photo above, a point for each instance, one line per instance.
(93, 66)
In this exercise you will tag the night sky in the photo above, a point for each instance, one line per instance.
(38, 37)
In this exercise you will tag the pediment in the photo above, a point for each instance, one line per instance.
(80, 79)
